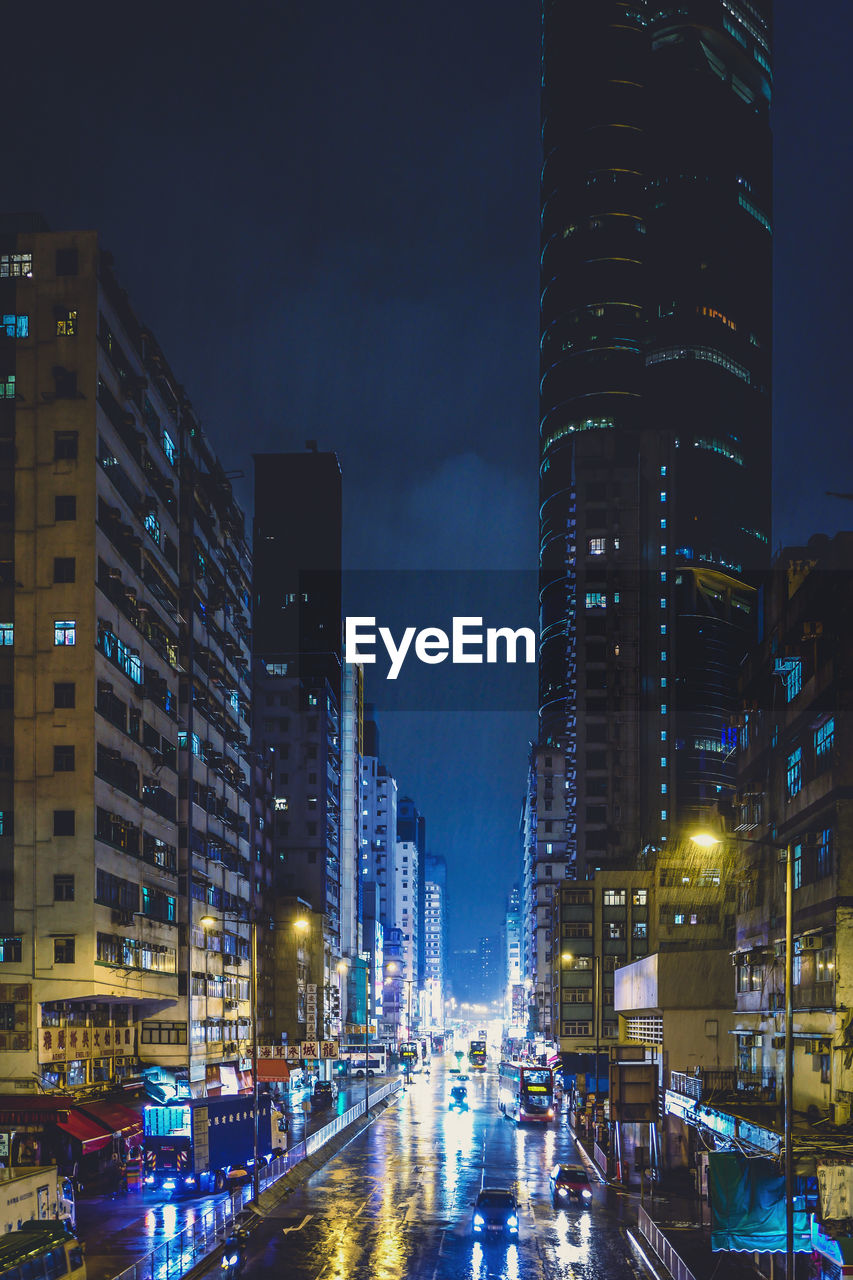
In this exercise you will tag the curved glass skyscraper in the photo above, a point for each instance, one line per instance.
(655, 402)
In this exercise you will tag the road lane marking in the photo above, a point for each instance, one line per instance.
(307, 1218)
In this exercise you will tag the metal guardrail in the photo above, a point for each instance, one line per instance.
(658, 1241)
(753, 1086)
(177, 1255)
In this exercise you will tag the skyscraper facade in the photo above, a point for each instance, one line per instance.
(655, 402)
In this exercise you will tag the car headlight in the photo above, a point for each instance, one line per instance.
(189, 1179)
(478, 1220)
(562, 1191)
(587, 1195)
(512, 1221)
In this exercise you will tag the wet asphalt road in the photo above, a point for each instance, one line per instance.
(119, 1230)
(395, 1204)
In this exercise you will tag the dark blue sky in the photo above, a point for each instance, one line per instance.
(328, 214)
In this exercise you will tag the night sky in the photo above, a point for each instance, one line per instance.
(328, 214)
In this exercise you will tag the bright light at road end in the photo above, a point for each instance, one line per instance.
(704, 839)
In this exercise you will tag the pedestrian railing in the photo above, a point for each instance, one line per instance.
(181, 1252)
(662, 1247)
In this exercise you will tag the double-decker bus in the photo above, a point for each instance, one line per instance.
(411, 1057)
(477, 1055)
(526, 1092)
(41, 1251)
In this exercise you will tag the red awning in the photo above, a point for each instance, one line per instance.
(115, 1116)
(273, 1069)
(84, 1129)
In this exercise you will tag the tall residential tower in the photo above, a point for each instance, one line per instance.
(655, 402)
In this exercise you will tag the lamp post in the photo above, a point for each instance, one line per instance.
(210, 922)
(706, 840)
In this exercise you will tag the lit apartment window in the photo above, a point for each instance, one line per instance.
(10, 950)
(152, 526)
(597, 546)
(15, 326)
(596, 600)
(16, 264)
(795, 772)
(66, 324)
(7, 633)
(65, 632)
(7, 386)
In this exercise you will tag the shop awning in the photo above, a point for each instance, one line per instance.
(115, 1116)
(273, 1069)
(91, 1135)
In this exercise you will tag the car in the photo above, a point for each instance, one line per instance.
(495, 1213)
(324, 1094)
(570, 1182)
(458, 1098)
(462, 1076)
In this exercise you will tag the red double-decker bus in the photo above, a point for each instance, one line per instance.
(526, 1092)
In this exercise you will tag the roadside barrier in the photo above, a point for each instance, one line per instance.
(183, 1251)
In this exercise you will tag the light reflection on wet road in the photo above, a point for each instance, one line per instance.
(395, 1204)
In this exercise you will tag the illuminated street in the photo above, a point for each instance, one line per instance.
(120, 1230)
(397, 1201)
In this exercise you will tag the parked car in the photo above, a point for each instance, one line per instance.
(570, 1182)
(495, 1213)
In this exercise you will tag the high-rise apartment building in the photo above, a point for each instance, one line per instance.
(298, 690)
(125, 788)
(655, 402)
(435, 936)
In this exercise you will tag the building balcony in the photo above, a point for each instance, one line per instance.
(728, 1085)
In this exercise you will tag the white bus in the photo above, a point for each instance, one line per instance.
(376, 1063)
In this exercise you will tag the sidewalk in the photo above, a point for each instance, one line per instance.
(677, 1218)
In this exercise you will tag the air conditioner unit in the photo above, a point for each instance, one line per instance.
(811, 942)
(839, 1113)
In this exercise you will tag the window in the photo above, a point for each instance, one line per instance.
(15, 326)
(64, 569)
(64, 445)
(640, 897)
(65, 632)
(63, 822)
(640, 929)
(825, 965)
(63, 951)
(64, 383)
(798, 866)
(65, 506)
(596, 546)
(152, 526)
(7, 633)
(16, 264)
(6, 822)
(66, 324)
(596, 600)
(170, 448)
(64, 695)
(795, 772)
(823, 853)
(10, 950)
(824, 737)
(63, 759)
(791, 670)
(66, 262)
(63, 888)
(678, 917)
(614, 897)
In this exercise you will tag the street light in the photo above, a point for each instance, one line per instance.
(210, 922)
(706, 840)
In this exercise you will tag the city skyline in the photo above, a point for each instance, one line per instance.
(254, 298)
